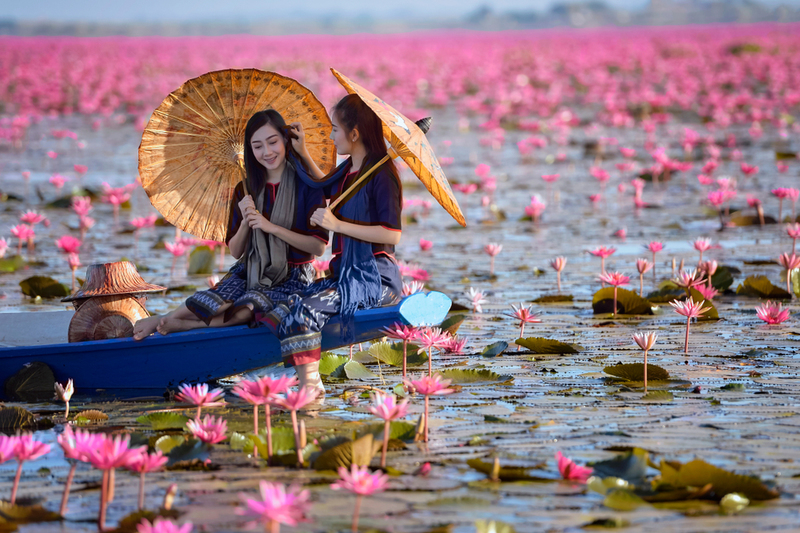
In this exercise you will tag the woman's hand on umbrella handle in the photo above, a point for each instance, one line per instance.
(324, 218)
(256, 220)
(298, 143)
(246, 206)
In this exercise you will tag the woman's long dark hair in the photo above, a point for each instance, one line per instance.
(353, 113)
(256, 173)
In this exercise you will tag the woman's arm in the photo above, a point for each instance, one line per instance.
(323, 217)
(238, 243)
(300, 147)
(306, 243)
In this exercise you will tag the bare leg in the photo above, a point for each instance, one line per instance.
(147, 326)
(172, 325)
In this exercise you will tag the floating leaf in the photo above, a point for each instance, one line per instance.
(698, 473)
(607, 523)
(398, 430)
(635, 372)
(43, 286)
(33, 382)
(733, 386)
(163, 420)
(628, 302)
(623, 500)
(190, 452)
(541, 345)
(392, 354)
(460, 501)
(630, 466)
(761, 287)
(658, 396)
(13, 418)
(602, 485)
(12, 264)
(722, 278)
(166, 443)
(493, 350)
(452, 323)
(92, 415)
(712, 313)
(471, 375)
(201, 261)
(553, 299)
(355, 370)
(493, 526)
(332, 365)
(282, 441)
(358, 452)
(667, 292)
(510, 473)
(26, 514)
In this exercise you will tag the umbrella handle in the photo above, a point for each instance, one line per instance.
(240, 160)
(366, 174)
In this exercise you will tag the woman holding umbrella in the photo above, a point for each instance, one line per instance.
(275, 250)
(366, 226)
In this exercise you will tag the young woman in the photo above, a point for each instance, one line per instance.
(270, 235)
(366, 228)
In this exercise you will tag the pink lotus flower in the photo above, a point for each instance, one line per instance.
(69, 244)
(602, 252)
(58, 181)
(706, 180)
(32, 218)
(145, 222)
(627, 152)
(690, 309)
(781, 167)
(143, 463)
(293, 402)
(112, 453)
(599, 174)
(77, 446)
(24, 449)
(615, 279)
(176, 249)
(210, 430)
(789, 263)
(3, 247)
(404, 333)
(412, 287)
(701, 245)
(748, 170)
(477, 299)
(550, 178)
(643, 266)
(199, 396)
(492, 250)
(431, 385)
(570, 471)
(536, 208)
(688, 279)
(263, 391)
(52, 155)
(430, 338)
(82, 205)
(277, 505)
(772, 312)
(80, 169)
(162, 525)
(558, 265)
(64, 393)
(793, 230)
(23, 232)
(85, 224)
(360, 482)
(646, 341)
(425, 245)
(622, 233)
(780, 193)
(525, 315)
(707, 291)
(483, 170)
(595, 198)
(454, 345)
(385, 406)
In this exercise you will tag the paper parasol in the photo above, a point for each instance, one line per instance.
(410, 143)
(190, 158)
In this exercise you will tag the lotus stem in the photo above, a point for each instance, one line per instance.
(603, 267)
(255, 419)
(112, 481)
(268, 422)
(794, 246)
(641, 285)
(654, 270)
(760, 212)
(73, 280)
(197, 416)
(273, 526)
(430, 361)
(101, 518)
(16, 483)
(67, 484)
(405, 357)
(427, 420)
(116, 214)
(645, 371)
(558, 280)
(66, 414)
(297, 439)
(686, 341)
(491, 266)
(780, 210)
(141, 491)
(614, 313)
(354, 529)
(521, 333)
(788, 281)
(386, 425)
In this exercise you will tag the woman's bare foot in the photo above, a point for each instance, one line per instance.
(169, 324)
(145, 327)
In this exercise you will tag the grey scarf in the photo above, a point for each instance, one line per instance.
(267, 254)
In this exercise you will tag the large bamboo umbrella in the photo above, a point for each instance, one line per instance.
(190, 158)
(409, 142)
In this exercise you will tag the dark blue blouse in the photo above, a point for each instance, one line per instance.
(308, 200)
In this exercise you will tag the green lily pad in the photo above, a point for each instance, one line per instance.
(541, 345)
(493, 350)
(635, 372)
(602, 485)
(359, 452)
(13, 418)
(392, 354)
(166, 443)
(493, 526)
(722, 278)
(628, 302)
(553, 298)
(452, 323)
(667, 291)
(510, 473)
(398, 430)
(33, 382)
(734, 387)
(471, 375)
(332, 365)
(630, 466)
(25, 514)
(282, 441)
(762, 287)
(12, 264)
(623, 500)
(712, 313)
(355, 370)
(698, 473)
(163, 420)
(201, 261)
(614, 522)
(658, 396)
(43, 286)
(191, 452)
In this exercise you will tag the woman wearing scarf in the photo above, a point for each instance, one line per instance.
(269, 234)
(366, 228)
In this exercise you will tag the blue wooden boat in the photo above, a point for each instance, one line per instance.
(158, 362)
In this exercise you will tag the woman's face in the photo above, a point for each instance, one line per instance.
(268, 147)
(341, 138)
